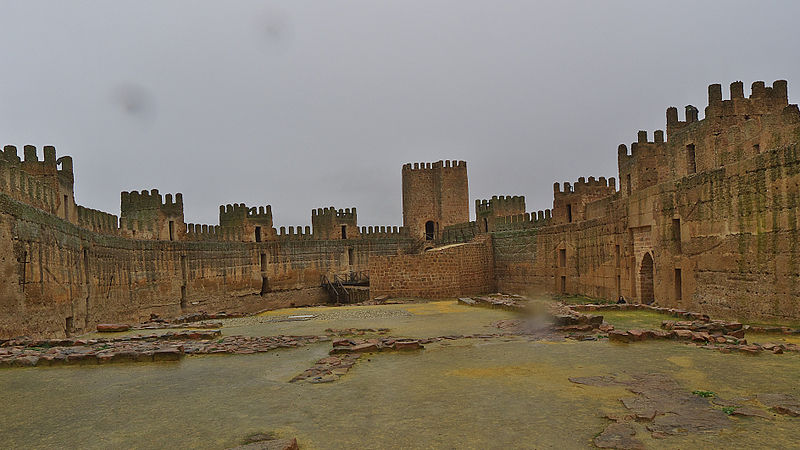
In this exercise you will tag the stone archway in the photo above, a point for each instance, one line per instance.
(646, 288)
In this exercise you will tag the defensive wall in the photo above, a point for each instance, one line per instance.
(449, 271)
(66, 267)
(705, 218)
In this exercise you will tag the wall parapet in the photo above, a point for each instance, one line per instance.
(449, 164)
(97, 221)
(525, 221)
(377, 232)
(21, 186)
(299, 232)
(460, 232)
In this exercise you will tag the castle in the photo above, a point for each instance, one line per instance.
(705, 218)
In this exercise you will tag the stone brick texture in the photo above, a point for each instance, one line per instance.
(714, 199)
(449, 271)
(728, 220)
(434, 192)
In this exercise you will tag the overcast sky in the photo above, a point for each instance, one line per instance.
(306, 104)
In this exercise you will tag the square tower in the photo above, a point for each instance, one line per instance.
(435, 195)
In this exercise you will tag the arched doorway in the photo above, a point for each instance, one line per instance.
(646, 280)
(429, 230)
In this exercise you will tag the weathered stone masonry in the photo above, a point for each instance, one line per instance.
(705, 218)
(451, 271)
(66, 268)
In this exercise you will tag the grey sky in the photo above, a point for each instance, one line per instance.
(310, 104)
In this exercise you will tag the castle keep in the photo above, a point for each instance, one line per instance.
(705, 218)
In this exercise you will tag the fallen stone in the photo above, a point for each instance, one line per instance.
(167, 354)
(683, 334)
(750, 349)
(619, 336)
(26, 361)
(636, 335)
(750, 411)
(112, 327)
(407, 345)
(364, 348)
(781, 403)
(739, 334)
(618, 435)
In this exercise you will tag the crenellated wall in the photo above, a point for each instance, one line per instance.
(706, 218)
(328, 223)
(569, 204)
(451, 271)
(60, 278)
(145, 215)
(487, 211)
(66, 268)
(248, 224)
(435, 195)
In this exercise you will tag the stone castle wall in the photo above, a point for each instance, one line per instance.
(434, 192)
(59, 278)
(705, 218)
(450, 271)
(714, 207)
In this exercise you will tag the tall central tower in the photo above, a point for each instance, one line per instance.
(435, 195)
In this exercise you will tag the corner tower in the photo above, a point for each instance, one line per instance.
(435, 195)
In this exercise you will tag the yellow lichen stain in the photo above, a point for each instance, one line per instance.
(773, 338)
(629, 320)
(440, 307)
(541, 376)
(307, 310)
(680, 361)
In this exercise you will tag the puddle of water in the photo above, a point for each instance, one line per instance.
(455, 394)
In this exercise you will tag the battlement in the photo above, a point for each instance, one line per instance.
(586, 186)
(763, 99)
(779, 92)
(32, 163)
(22, 186)
(97, 221)
(498, 206)
(501, 202)
(373, 232)
(296, 233)
(524, 221)
(198, 232)
(569, 204)
(149, 200)
(330, 223)
(236, 214)
(45, 184)
(330, 212)
(446, 164)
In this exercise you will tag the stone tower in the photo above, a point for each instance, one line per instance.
(435, 195)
